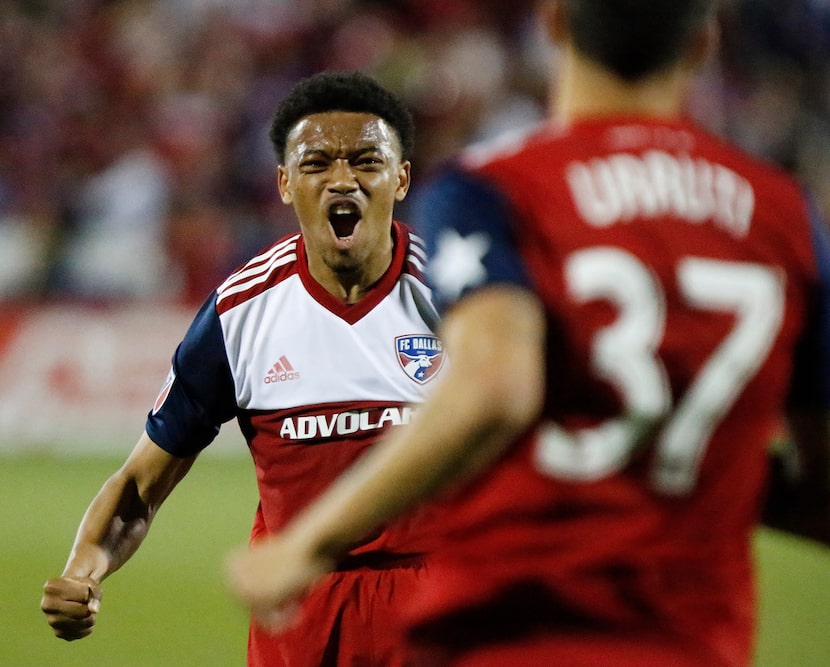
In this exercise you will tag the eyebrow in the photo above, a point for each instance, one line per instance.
(373, 148)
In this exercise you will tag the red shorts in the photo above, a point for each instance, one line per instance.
(350, 619)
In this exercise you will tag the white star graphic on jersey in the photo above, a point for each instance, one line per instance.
(457, 261)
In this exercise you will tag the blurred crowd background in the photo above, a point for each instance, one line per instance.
(134, 158)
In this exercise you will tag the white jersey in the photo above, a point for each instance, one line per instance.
(291, 344)
(311, 380)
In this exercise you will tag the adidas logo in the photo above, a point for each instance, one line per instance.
(282, 371)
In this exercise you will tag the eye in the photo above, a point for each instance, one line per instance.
(313, 165)
(369, 161)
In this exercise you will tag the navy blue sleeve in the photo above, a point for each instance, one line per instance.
(468, 227)
(811, 373)
(199, 395)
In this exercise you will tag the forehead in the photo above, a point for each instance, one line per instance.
(341, 131)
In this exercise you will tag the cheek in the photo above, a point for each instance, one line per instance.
(303, 198)
(308, 214)
(388, 191)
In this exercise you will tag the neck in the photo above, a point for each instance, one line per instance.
(352, 288)
(345, 286)
(349, 281)
(587, 90)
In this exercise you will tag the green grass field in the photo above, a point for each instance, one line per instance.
(167, 607)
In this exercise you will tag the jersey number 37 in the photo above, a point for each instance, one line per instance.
(625, 354)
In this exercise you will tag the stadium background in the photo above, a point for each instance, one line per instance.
(135, 172)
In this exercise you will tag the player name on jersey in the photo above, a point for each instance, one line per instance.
(336, 424)
(624, 186)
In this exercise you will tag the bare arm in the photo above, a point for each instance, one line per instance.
(492, 391)
(113, 527)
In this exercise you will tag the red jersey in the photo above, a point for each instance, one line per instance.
(679, 277)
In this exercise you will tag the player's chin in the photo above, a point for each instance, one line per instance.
(343, 260)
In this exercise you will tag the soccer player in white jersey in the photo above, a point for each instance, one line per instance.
(316, 346)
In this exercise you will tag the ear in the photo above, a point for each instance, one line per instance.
(404, 179)
(282, 185)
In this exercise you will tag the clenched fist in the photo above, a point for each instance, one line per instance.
(71, 605)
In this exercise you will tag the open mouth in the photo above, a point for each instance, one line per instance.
(343, 217)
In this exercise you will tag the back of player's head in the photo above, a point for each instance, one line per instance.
(341, 91)
(635, 38)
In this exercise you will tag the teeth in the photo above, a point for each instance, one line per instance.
(343, 209)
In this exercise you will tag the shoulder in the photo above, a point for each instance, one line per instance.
(269, 267)
(771, 181)
(510, 145)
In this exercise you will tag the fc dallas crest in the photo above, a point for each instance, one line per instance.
(420, 356)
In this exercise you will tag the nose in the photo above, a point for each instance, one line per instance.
(342, 177)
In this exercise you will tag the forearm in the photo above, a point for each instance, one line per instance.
(113, 527)
(119, 517)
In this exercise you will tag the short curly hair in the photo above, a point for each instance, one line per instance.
(341, 91)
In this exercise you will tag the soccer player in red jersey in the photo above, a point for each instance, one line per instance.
(316, 346)
(632, 306)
